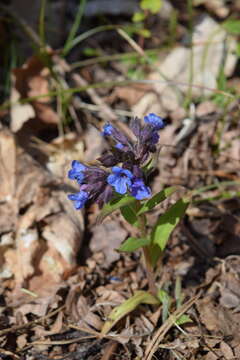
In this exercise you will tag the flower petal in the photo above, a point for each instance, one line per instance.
(111, 179)
(107, 130)
(79, 199)
(78, 166)
(127, 173)
(121, 185)
(76, 173)
(139, 190)
(119, 146)
(155, 121)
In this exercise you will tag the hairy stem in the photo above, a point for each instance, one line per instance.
(147, 259)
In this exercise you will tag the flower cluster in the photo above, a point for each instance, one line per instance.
(98, 184)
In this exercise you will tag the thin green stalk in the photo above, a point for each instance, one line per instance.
(173, 22)
(89, 33)
(106, 58)
(147, 258)
(76, 24)
(42, 22)
(108, 84)
(191, 58)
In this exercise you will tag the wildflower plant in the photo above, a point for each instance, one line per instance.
(120, 181)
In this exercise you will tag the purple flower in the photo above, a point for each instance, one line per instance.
(117, 135)
(77, 171)
(139, 190)
(135, 126)
(79, 199)
(107, 130)
(155, 121)
(154, 138)
(93, 185)
(109, 159)
(126, 158)
(120, 179)
(105, 195)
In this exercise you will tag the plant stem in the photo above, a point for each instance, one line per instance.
(147, 258)
(149, 271)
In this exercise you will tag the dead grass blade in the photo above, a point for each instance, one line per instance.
(31, 323)
(161, 332)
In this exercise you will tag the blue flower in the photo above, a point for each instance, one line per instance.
(107, 130)
(120, 179)
(76, 173)
(119, 146)
(139, 190)
(79, 199)
(155, 121)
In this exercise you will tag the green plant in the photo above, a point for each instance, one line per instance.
(124, 188)
(148, 7)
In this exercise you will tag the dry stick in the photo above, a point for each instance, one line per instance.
(159, 335)
(31, 323)
(9, 353)
(106, 110)
(58, 342)
(109, 350)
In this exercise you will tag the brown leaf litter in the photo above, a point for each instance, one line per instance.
(41, 233)
(32, 80)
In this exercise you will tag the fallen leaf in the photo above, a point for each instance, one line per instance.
(20, 113)
(107, 237)
(7, 165)
(131, 95)
(29, 81)
(208, 314)
(209, 47)
(226, 351)
(206, 108)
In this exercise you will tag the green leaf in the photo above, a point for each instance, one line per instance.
(129, 214)
(163, 296)
(156, 199)
(145, 33)
(132, 244)
(166, 301)
(138, 16)
(155, 253)
(232, 26)
(152, 5)
(167, 222)
(88, 51)
(183, 320)
(140, 297)
(113, 205)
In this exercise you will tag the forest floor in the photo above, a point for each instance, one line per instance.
(61, 275)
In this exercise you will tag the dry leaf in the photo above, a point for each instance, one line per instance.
(31, 80)
(208, 314)
(64, 236)
(131, 95)
(106, 238)
(7, 165)
(210, 44)
(226, 351)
